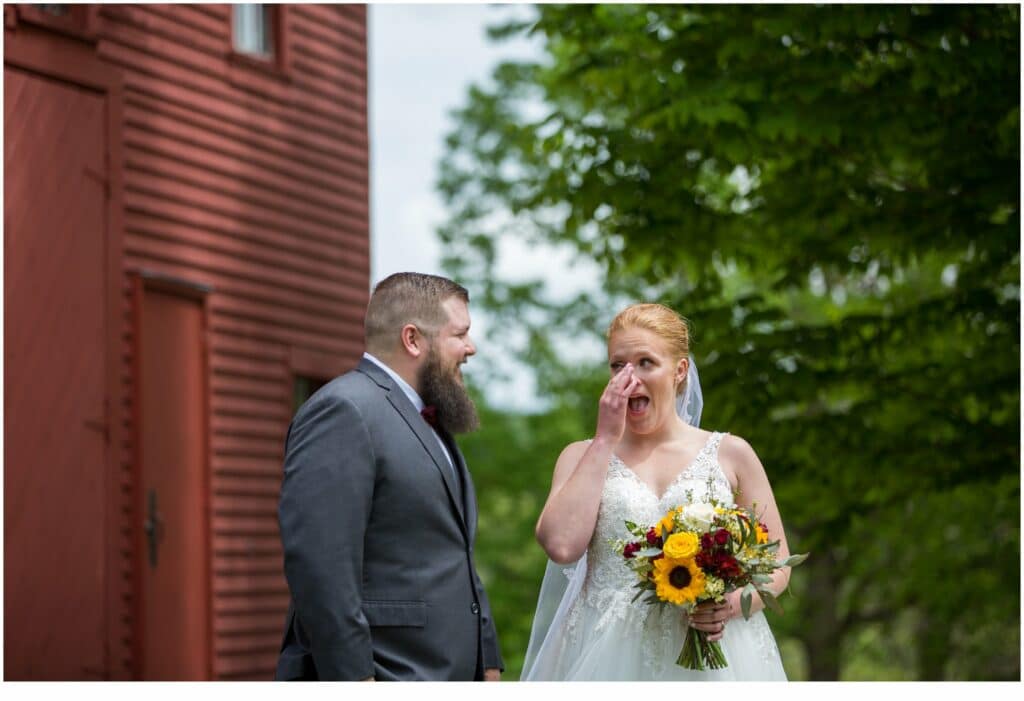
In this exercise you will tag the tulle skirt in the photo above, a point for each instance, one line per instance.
(642, 644)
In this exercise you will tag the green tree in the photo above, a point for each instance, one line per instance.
(831, 194)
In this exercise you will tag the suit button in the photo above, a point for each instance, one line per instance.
(475, 608)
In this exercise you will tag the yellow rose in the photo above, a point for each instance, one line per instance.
(681, 546)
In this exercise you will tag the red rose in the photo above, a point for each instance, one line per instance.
(630, 550)
(707, 542)
(652, 537)
(721, 537)
(728, 567)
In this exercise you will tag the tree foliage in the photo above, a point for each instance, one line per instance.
(831, 195)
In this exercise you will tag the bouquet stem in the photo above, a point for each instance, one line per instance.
(698, 653)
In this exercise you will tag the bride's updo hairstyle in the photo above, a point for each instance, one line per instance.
(660, 320)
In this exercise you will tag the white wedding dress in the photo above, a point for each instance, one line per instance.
(597, 634)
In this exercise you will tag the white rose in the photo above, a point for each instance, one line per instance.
(699, 516)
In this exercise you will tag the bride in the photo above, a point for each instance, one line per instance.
(647, 456)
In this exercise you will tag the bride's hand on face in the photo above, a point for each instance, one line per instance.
(611, 412)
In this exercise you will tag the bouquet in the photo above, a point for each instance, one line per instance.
(698, 553)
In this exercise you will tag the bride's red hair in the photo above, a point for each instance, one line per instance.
(658, 319)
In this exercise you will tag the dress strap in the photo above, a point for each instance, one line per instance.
(714, 442)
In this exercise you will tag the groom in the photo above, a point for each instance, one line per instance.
(378, 513)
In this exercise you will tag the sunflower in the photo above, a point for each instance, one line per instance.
(681, 546)
(678, 581)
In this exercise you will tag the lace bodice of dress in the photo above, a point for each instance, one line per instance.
(627, 498)
(608, 588)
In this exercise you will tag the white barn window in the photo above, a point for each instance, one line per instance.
(57, 10)
(253, 29)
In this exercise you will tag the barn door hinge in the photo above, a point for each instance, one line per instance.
(100, 426)
(154, 528)
(99, 177)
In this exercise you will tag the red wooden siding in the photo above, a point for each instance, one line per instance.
(250, 181)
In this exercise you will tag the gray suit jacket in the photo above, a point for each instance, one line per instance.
(378, 544)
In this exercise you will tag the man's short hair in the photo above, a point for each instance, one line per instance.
(407, 298)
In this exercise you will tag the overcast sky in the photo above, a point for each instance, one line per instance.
(422, 60)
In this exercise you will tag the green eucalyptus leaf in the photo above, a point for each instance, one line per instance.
(770, 601)
(794, 560)
(745, 600)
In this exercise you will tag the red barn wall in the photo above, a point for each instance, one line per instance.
(245, 187)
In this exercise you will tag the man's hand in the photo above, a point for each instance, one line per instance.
(492, 675)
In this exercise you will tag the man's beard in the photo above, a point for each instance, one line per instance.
(440, 387)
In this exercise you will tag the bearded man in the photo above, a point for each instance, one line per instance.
(378, 513)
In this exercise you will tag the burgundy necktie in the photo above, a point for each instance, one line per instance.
(429, 414)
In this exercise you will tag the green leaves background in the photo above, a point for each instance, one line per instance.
(831, 195)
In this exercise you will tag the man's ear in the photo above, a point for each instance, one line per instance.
(413, 341)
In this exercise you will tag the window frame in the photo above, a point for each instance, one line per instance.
(278, 63)
(79, 23)
(313, 365)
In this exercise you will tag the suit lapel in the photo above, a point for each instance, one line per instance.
(424, 433)
(468, 493)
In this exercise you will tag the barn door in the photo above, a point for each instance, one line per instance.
(56, 415)
(172, 523)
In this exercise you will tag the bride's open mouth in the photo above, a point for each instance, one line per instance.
(638, 404)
